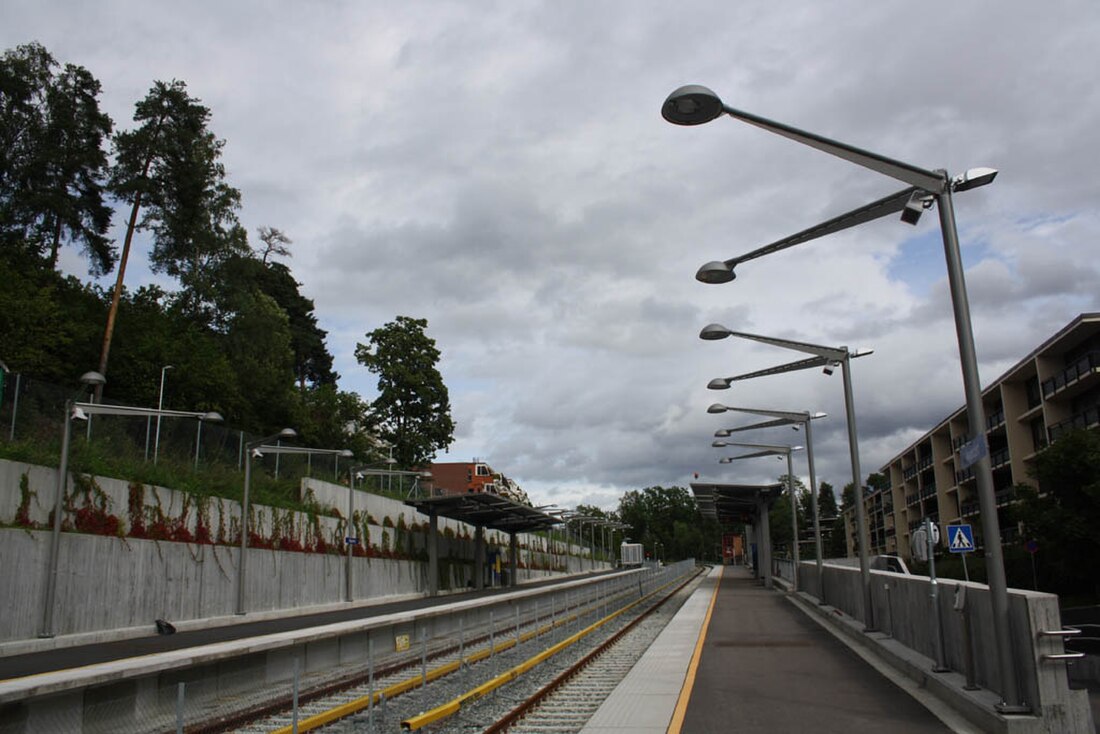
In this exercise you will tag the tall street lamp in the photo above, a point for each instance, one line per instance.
(827, 358)
(695, 105)
(774, 450)
(249, 448)
(793, 419)
(84, 411)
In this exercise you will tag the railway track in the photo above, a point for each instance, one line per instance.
(496, 675)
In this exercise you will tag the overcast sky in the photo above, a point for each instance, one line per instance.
(502, 170)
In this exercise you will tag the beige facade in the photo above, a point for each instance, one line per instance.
(1054, 389)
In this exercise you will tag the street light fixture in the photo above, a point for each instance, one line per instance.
(827, 357)
(795, 420)
(779, 450)
(695, 105)
(84, 411)
(248, 453)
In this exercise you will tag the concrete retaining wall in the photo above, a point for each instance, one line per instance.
(903, 612)
(109, 583)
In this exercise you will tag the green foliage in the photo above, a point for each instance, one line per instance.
(1063, 514)
(53, 166)
(669, 516)
(170, 167)
(413, 408)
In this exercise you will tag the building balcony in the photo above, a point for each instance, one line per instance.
(1005, 496)
(999, 458)
(928, 490)
(995, 419)
(911, 499)
(963, 475)
(908, 472)
(1088, 418)
(1084, 367)
(967, 509)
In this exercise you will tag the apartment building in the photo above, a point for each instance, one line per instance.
(462, 477)
(1054, 389)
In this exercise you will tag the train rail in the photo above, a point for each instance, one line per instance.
(440, 685)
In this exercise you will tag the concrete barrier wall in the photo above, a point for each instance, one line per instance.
(107, 583)
(903, 610)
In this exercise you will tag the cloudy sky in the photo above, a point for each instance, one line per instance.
(502, 170)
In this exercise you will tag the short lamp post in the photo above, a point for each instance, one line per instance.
(775, 450)
(793, 419)
(249, 449)
(696, 105)
(827, 358)
(84, 411)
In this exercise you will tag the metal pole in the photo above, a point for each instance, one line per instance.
(294, 720)
(198, 443)
(370, 682)
(794, 522)
(857, 490)
(937, 625)
(244, 531)
(180, 699)
(350, 526)
(983, 473)
(14, 406)
(55, 536)
(813, 504)
(160, 406)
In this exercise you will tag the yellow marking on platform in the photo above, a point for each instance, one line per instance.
(689, 680)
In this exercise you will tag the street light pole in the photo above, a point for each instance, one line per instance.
(794, 419)
(828, 358)
(695, 105)
(242, 559)
(774, 450)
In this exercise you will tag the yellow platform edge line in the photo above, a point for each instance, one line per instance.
(680, 711)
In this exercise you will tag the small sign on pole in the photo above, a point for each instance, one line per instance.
(960, 539)
(351, 541)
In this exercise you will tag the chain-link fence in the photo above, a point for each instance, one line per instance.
(186, 453)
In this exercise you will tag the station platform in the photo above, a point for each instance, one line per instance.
(741, 658)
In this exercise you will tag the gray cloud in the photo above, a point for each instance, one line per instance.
(503, 171)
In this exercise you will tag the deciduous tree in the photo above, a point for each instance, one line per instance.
(413, 408)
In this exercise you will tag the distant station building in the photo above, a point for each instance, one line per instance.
(466, 477)
(1054, 389)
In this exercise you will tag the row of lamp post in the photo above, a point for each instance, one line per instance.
(78, 410)
(696, 105)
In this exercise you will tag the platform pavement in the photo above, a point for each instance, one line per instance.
(762, 666)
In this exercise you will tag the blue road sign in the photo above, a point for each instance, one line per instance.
(960, 539)
(351, 541)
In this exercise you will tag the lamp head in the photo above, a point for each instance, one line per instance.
(722, 433)
(713, 332)
(716, 408)
(718, 383)
(828, 368)
(973, 178)
(78, 414)
(692, 104)
(93, 378)
(715, 272)
(288, 433)
(213, 417)
(347, 454)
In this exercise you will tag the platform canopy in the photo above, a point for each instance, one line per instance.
(729, 503)
(486, 510)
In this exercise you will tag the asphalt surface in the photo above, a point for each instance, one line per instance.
(17, 666)
(766, 667)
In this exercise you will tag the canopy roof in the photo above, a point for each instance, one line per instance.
(486, 510)
(728, 503)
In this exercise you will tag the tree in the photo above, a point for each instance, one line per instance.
(275, 243)
(413, 408)
(670, 517)
(1063, 513)
(169, 165)
(243, 274)
(53, 166)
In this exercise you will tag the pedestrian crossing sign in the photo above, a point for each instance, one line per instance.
(960, 538)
